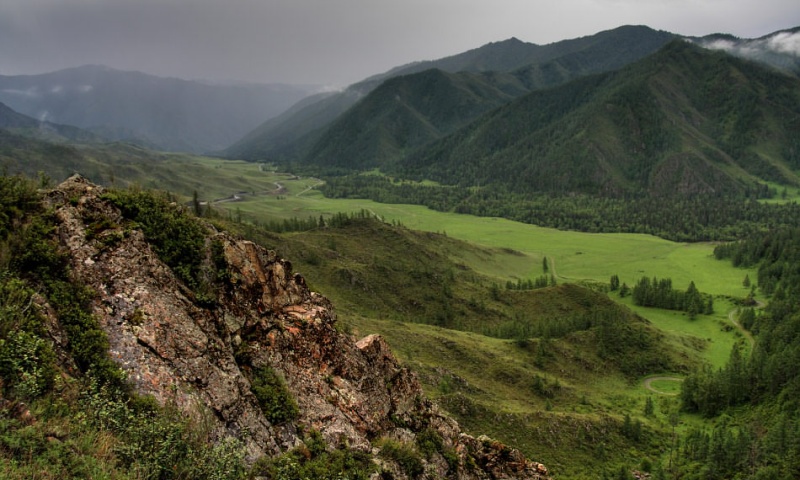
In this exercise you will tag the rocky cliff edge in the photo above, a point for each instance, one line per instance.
(201, 357)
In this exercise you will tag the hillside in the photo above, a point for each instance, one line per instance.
(495, 356)
(191, 351)
(683, 121)
(16, 122)
(534, 66)
(163, 113)
(30, 151)
(287, 135)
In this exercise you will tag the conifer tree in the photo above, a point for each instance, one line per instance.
(614, 283)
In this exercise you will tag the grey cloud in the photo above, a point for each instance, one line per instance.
(782, 42)
(330, 41)
(785, 42)
(30, 92)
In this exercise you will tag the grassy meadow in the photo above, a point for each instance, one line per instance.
(574, 256)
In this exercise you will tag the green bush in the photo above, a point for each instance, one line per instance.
(160, 443)
(273, 397)
(35, 261)
(27, 364)
(313, 460)
(177, 238)
(18, 196)
(429, 442)
(404, 455)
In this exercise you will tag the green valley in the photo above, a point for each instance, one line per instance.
(507, 219)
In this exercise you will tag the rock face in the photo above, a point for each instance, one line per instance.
(201, 358)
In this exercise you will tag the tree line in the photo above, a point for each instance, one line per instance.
(659, 293)
(694, 218)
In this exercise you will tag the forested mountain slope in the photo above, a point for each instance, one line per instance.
(778, 49)
(533, 66)
(407, 112)
(684, 121)
(602, 50)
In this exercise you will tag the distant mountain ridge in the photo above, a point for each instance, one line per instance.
(165, 113)
(22, 124)
(316, 133)
(522, 66)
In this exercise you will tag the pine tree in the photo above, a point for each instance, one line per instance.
(649, 407)
(709, 310)
(196, 204)
(694, 302)
(614, 283)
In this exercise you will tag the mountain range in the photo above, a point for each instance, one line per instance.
(625, 111)
(161, 113)
(513, 66)
(684, 120)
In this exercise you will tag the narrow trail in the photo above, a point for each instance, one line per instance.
(319, 182)
(648, 384)
(239, 196)
(749, 336)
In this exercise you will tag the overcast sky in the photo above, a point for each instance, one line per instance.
(331, 42)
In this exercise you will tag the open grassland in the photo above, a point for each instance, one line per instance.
(717, 333)
(574, 256)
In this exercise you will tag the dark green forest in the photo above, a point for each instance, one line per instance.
(684, 218)
(755, 398)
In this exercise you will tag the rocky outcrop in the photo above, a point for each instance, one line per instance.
(201, 358)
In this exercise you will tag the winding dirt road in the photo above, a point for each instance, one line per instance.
(732, 317)
(319, 182)
(648, 384)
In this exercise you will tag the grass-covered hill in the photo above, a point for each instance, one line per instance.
(301, 130)
(26, 152)
(683, 121)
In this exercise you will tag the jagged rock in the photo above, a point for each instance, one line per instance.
(199, 358)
